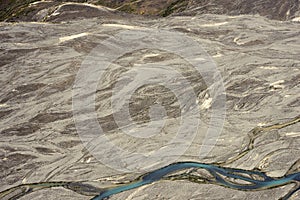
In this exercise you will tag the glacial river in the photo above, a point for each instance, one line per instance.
(265, 181)
(237, 179)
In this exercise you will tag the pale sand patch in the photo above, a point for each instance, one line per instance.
(71, 37)
(236, 16)
(261, 124)
(206, 104)
(86, 4)
(217, 55)
(277, 84)
(214, 24)
(293, 134)
(268, 67)
(236, 40)
(38, 2)
(56, 12)
(122, 26)
(151, 55)
(296, 19)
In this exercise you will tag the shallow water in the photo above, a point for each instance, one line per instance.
(216, 171)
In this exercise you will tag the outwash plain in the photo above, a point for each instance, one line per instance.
(254, 48)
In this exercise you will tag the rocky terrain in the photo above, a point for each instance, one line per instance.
(43, 55)
(35, 10)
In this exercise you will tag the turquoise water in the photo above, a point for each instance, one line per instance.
(264, 182)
